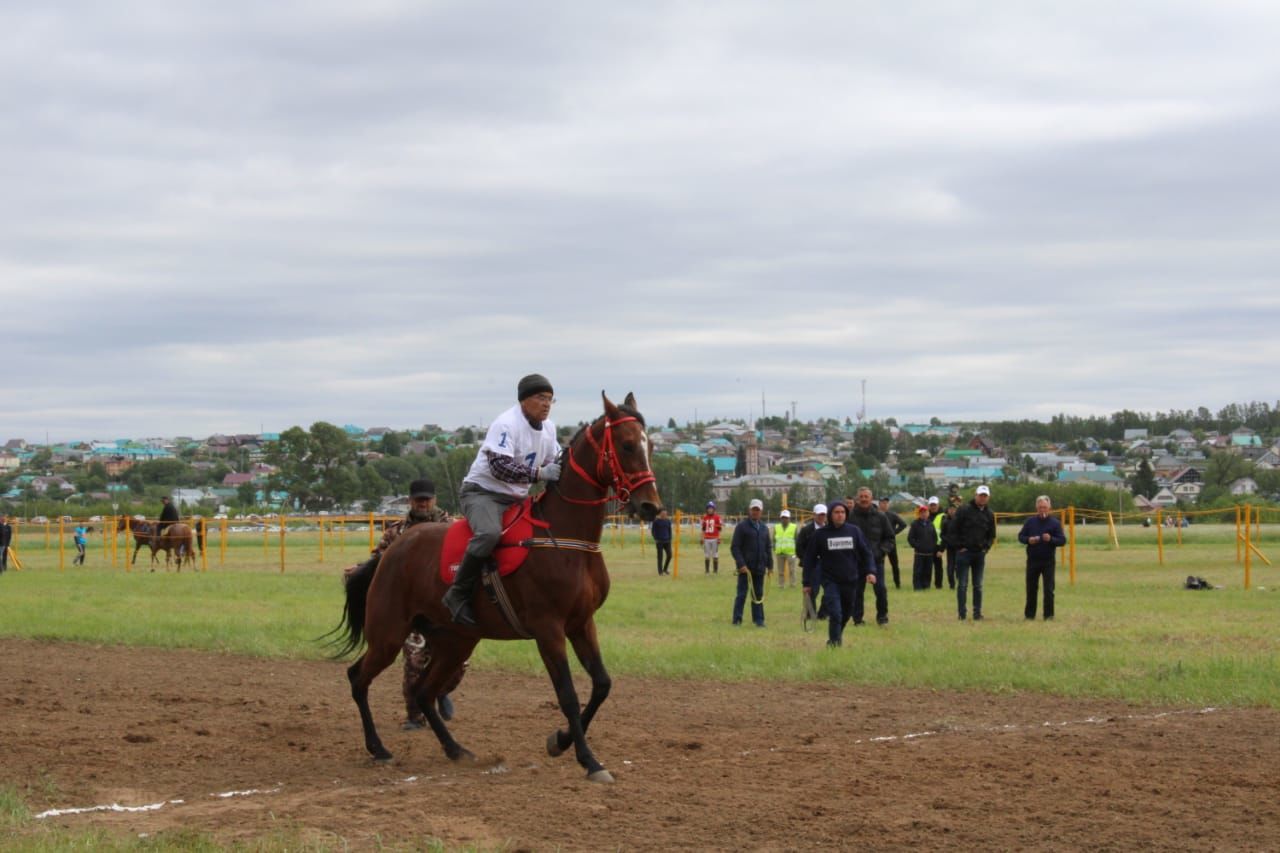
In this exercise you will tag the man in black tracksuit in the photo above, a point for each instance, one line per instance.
(876, 530)
(896, 525)
(838, 559)
(1043, 536)
(923, 539)
(973, 532)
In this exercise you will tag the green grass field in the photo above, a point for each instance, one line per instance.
(1125, 630)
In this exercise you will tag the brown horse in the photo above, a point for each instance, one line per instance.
(177, 537)
(555, 593)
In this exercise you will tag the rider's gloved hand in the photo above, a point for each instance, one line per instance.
(549, 472)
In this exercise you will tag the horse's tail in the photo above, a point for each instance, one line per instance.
(350, 630)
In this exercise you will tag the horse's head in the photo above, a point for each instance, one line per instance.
(621, 457)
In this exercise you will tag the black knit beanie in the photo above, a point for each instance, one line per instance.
(534, 383)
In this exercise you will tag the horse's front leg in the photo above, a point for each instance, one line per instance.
(137, 546)
(587, 648)
(557, 664)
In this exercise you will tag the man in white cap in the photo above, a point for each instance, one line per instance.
(936, 518)
(784, 548)
(753, 555)
(974, 532)
(805, 535)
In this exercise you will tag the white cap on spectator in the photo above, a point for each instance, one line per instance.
(756, 503)
(933, 499)
(786, 513)
(983, 490)
(819, 509)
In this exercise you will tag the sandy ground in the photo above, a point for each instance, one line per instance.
(698, 766)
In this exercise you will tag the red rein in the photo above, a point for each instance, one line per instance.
(608, 464)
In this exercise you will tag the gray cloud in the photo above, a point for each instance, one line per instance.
(384, 213)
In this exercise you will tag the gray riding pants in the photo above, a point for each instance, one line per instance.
(483, 510)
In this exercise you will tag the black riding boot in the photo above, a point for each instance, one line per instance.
(458, 598)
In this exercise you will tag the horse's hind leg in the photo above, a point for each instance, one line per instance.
(587, 648)
(447, 656)
(557, 664)
(361, 674)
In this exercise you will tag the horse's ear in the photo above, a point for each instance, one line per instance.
(609, 408)
(631, 400)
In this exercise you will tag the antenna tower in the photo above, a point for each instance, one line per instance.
(862, 412)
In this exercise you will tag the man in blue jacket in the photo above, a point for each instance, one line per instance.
(839, 559)
(753, 554)
(1043, 536)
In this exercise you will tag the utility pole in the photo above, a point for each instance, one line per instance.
(793, 411)
(862, 412)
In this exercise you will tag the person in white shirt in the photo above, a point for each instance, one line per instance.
(519, 449)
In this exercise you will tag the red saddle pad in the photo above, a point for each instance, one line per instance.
(517, 526)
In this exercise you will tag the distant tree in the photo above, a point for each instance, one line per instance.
(683, 482)
(393, 443)
(1143, 481)
(247, 494)
(671, 423)
(316, 468)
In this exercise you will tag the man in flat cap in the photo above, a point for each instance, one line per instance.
(519, 449)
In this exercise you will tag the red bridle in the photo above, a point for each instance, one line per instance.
(623, 483)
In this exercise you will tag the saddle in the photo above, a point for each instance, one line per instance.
(517, 528)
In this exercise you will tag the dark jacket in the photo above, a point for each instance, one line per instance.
(803, 536)
(923, 537)
(973, 528)
(6, 535)
(1042, 553)
(169, 512)
(837, 554)
(751, 545)
(661, 530)
(875, 527)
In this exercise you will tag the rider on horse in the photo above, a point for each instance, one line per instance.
(519, 449)
(168, 515)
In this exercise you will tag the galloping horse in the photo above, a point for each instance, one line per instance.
(555, 593)
(177, 537)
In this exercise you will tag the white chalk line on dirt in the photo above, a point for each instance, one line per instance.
(151, 807)
(1009, 727)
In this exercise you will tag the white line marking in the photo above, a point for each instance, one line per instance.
(151, 807)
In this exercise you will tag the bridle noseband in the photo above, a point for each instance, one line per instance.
(621, 482)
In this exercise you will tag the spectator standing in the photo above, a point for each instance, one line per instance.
(923, 539)
(803, 537)
(6, 539)
(896, 526)
(753, 555)
(837, 558)
(948, 543)
(81, 539)
(936, 518)
(784, 548)
(973, 531)
(711, 527)
(875, 529)
(1043, 536)
(661, 530)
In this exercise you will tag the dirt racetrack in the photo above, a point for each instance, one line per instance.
(699, 766)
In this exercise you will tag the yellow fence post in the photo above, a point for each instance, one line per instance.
(1237, 533)
(282, 525)
(1160, 534)
(1071, 551)
(322, 540)
(371, 533)
(48, 532)
(342, 535)
(1111, 528)
(675, 559)
(1248, 561)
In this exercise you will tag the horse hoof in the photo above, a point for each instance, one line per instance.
(382, 757)
(600, 775)
(463, 754)
(553, 745)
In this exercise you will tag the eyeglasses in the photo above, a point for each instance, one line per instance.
(544, 398)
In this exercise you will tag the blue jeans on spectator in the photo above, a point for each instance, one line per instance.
(968, 562)
(757, 593)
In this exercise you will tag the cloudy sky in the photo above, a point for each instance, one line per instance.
(233, 216)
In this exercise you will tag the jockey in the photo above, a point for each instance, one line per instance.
(519, 449)
(168, 515)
